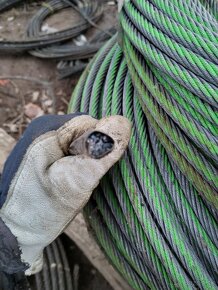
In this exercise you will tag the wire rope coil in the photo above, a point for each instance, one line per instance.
(55, 274)
(36, 39)
(156, 215)
(5, 4)
(89, 9)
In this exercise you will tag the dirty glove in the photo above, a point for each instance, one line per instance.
(43, 189)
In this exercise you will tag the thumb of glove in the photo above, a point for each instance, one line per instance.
(75, 177)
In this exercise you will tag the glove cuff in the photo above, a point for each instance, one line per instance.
(10, 254)
(36, 266)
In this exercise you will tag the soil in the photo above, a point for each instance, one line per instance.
(26, 80)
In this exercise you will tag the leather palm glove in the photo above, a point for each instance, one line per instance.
(43, 188)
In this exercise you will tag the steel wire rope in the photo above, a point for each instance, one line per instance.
(180, 33)
(55, 274)
(197, 85)
(142, 151)
(194, 24)
(204, 188)
(5, 4)
(157, 112)
(42, 39)
(182, 55)
(154, 197)
(107, 242)
(90, 9)
(192, 227)
(108, 96)
(212, 6)
(124, 246)
(176, 112)
(193, 9)
(97, 100)
(157, 201)
(127, 106)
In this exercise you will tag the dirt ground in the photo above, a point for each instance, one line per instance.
(30, 87)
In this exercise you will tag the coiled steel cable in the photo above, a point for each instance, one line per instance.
(36, 40)
(91, 9)
(55, 274)
(175, 114)
(69, 66)
(5, 4)
(155, 213)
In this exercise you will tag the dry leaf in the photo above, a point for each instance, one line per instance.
(4, 82)
(33, 111)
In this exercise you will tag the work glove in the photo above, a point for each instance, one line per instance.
(43, 187)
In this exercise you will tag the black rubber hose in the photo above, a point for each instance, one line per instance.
(42, 40)
(70, 51)
(5, 4)
(90, 9)
(68, 68)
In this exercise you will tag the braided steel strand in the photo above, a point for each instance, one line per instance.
(143, 211)
(174, 133)
(198, 105)
(189, 109)
(174, 50)
(110, 80)
(98, 82)
(154, 193)
(152, 210)
(107, 243)
(206, 250)
(191, 81)
(210, 211)
(194, 130)
(125, 247)
(180, 33)
(191, 173)
(189, 8)
(191, 23)
(212, 6)
(139, 239)
(127, 94)
(97, 63)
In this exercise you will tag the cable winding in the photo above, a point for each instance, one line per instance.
(156, 216)
(55, 274)
(157, 208)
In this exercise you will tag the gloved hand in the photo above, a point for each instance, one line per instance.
(43, 189)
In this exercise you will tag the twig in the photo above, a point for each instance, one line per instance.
(16, 119)
(22, 114)
(17, 90)
(25, 78)
(7, 94)
(64, 101)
